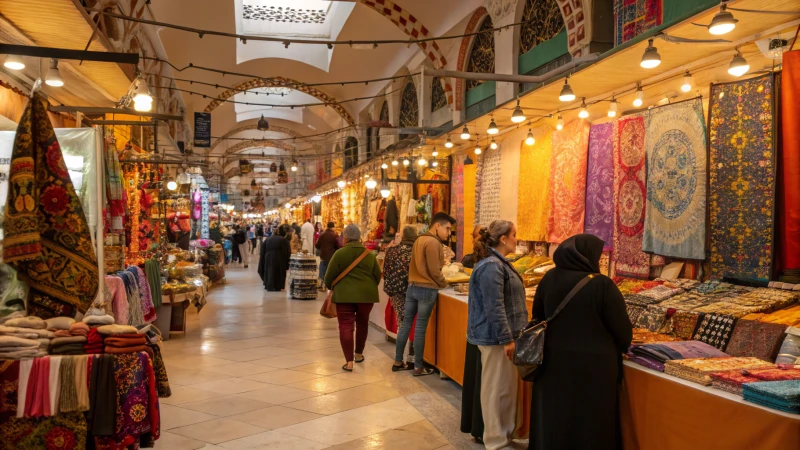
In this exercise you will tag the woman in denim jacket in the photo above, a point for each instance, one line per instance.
(496, 315)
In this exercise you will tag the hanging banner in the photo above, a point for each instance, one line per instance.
(202, 129)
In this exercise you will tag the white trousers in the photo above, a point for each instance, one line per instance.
(499, 381)
(244, 251)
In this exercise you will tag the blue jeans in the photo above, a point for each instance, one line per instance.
(323, 267)
(419, 302)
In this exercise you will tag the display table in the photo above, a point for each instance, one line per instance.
(662, 412)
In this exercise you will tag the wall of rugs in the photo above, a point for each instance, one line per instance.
(692, 181)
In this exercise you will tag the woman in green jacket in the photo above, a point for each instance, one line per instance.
(355, 294)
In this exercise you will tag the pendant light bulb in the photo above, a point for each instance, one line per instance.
(384, 166)
(435, 163)
(560, 123)
(142, 100)
(294, 166)
(53, 77)
(385, 191)
(449, 143)
(637, 102)
(583, 113)
(518, 116)
(371, 183)
(651, 58)
(687, 82)
(493, 144)
(421, 161)
(172, 185)
(738, 66)
(478, 150)
(406, 162)
(434, 153)
(612, 109)
(530, 140)
(341, 184)
(566, 92)
(14, 62)
(723, 22)
(492, 127)
(395, 162)
(288, 205)
(465, 133)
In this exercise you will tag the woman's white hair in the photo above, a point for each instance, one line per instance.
(351, 233)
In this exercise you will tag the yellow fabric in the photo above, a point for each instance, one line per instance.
(469, 205)
(534, 189)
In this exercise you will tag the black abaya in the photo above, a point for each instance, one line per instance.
(575, 403)
(471, 412)
(273, 262)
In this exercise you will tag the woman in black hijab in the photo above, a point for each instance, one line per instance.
(575, 403)
(274, 261)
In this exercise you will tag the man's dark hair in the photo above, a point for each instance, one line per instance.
(331, 225)
(442, 218)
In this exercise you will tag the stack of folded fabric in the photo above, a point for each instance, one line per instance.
(72, 345)
(12, 347)
(645, 336)
(754, 338)
(731, 380)
(126, 343)
(789, 352)
(699, 370)
(781, 395)
(780, 373)
(97, 317)
(29, 327)
(654, 355)
(79, 329)
(94, 342)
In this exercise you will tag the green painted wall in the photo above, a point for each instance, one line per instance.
(544, 52)
(481, 92)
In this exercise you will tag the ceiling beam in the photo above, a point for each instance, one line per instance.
(97, 111)
(64, 53)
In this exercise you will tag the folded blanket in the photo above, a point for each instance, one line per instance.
(43, 342)
(22, 353)
(40, 332)
(782, 395)
(79, 326)
(27, 322)
(120, 350)
(67, 349)
(759, 339)
(83, 333)
(67, 340)
(666, 351)
(99, 320)
(59, 323)
(731, 380)
(63, 333)
(10, 341)
(699, 370)
(116, 329)
(126, 342)
(22, 335)
(780, 373)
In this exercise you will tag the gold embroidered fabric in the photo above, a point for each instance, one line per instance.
(534, 189)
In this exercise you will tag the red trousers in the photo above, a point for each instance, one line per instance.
(353, 316)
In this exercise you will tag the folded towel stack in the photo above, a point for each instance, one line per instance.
(731, 380)
(781, 395)
(79, 329)
(59, 323)
(94, 342)
(126, 343)
(99, 320)
(108, 330)
(32, 330)
(699, 370)
(72, 345)
(12, 347)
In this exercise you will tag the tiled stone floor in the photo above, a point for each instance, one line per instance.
(257, 370)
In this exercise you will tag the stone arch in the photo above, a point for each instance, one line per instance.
(275, 128)
(466, 43)
(412, 27)
(282, 82)
(256, 143)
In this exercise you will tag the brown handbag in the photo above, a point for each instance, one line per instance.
(328, 307)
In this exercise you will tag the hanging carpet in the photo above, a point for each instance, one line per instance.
(634, 17)
(789, 186)
(568, 181)
(490, 187)
(629, 198)
(675, 219)
(47, 238)
(600, 184)
(742, 178)
(534, 189)
(457, 204)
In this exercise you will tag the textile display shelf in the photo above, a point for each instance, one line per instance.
(303, 275)
(662, 412)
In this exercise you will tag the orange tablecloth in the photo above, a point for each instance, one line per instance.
(661, 412)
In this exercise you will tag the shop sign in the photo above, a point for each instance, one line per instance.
(202, 129)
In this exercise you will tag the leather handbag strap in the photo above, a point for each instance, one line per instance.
(350, 267)
(571, 294)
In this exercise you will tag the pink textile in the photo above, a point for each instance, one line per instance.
(37, 399)
(600, 184)
(568, 159)
(119, 301)
(630, 196)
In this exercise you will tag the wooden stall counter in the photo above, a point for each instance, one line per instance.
(661, 412)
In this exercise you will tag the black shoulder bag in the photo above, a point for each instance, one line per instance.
(529, 345)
